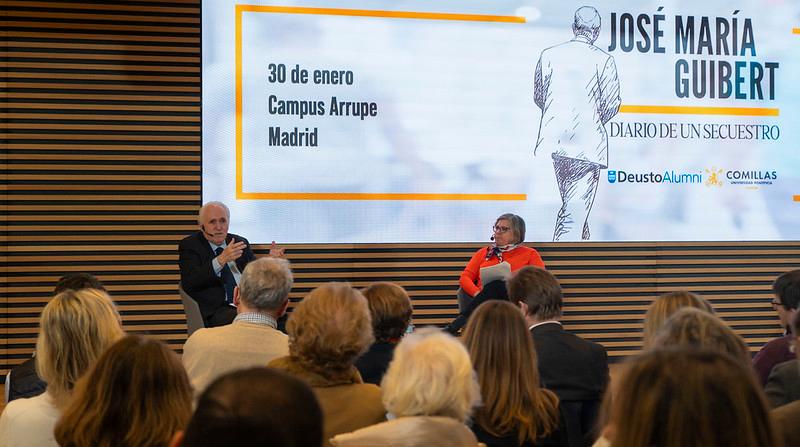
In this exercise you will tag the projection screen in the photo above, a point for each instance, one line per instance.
(411, 121)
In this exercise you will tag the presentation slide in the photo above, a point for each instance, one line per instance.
(422, 121)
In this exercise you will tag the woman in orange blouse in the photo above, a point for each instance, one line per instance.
(508, 234)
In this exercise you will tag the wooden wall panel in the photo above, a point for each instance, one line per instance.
(101, 166)
(101, 156)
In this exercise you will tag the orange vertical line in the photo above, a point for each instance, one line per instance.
(239, 87)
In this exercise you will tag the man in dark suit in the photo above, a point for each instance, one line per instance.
(211, 261)
(573, 368)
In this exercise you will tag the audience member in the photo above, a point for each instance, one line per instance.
(328, 330)
(137, 394)
(783, 384)
(693, 328)
(689, 398)
(252, 408)
(786, 416)
(390, 308)
(211, 261)
(573, 368)
(253, 339)
(74, 329)
(430, 389)
(786, 289)
(514, 411)
(22, 380)
(667, 304)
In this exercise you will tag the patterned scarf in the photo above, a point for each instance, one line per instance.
(494, 250)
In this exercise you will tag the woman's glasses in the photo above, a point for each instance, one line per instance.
(498, 229)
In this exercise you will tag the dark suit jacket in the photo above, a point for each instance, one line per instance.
(783, 385)
(577, 371)
(197, 272)
(373, 364)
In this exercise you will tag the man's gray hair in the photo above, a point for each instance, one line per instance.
(265, 283)
(587, 23)
(213, 203)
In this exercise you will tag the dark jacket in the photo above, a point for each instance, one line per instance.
(373, 364)
(577, 371)
(783, 385)
(24, 382)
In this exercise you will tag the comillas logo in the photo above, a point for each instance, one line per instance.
(654, 177)
(763, 177)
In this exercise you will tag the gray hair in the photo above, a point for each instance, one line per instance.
(517, 225)
(213, 203)
(266, 283)
(586, 23)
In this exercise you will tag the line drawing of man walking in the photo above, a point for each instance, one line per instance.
(577, 88)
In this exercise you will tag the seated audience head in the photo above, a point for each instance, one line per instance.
(667, 304)
(137, 394)
(265, 286)
(214, 219)
(509, 229)
(538, 293)
(786, 289)
(430, 375)
(74, 329)
(390, 309)
(504, 357)
(78, 281)
(329, 329)
(687, 397)
(694, 328)
(255, 407)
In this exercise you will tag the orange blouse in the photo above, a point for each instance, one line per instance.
(519, 257)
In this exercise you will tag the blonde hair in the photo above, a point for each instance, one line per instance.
(690, 327)
(667, 304)
(687, 398)
(430, 375)
(504, 356)
(390, 308)
(329, 329)
(137, 394)
(74, 330)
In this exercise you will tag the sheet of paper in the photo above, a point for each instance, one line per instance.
(501, 271)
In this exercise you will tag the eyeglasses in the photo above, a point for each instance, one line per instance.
(776, 303)
(499, 229)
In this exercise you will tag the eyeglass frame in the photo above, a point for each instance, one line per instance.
(497, 229)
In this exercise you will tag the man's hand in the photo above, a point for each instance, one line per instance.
(276, 252)
(232, 252)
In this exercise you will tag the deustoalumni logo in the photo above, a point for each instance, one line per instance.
(654, 177)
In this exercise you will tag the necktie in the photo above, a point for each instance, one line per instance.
(227, 278)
